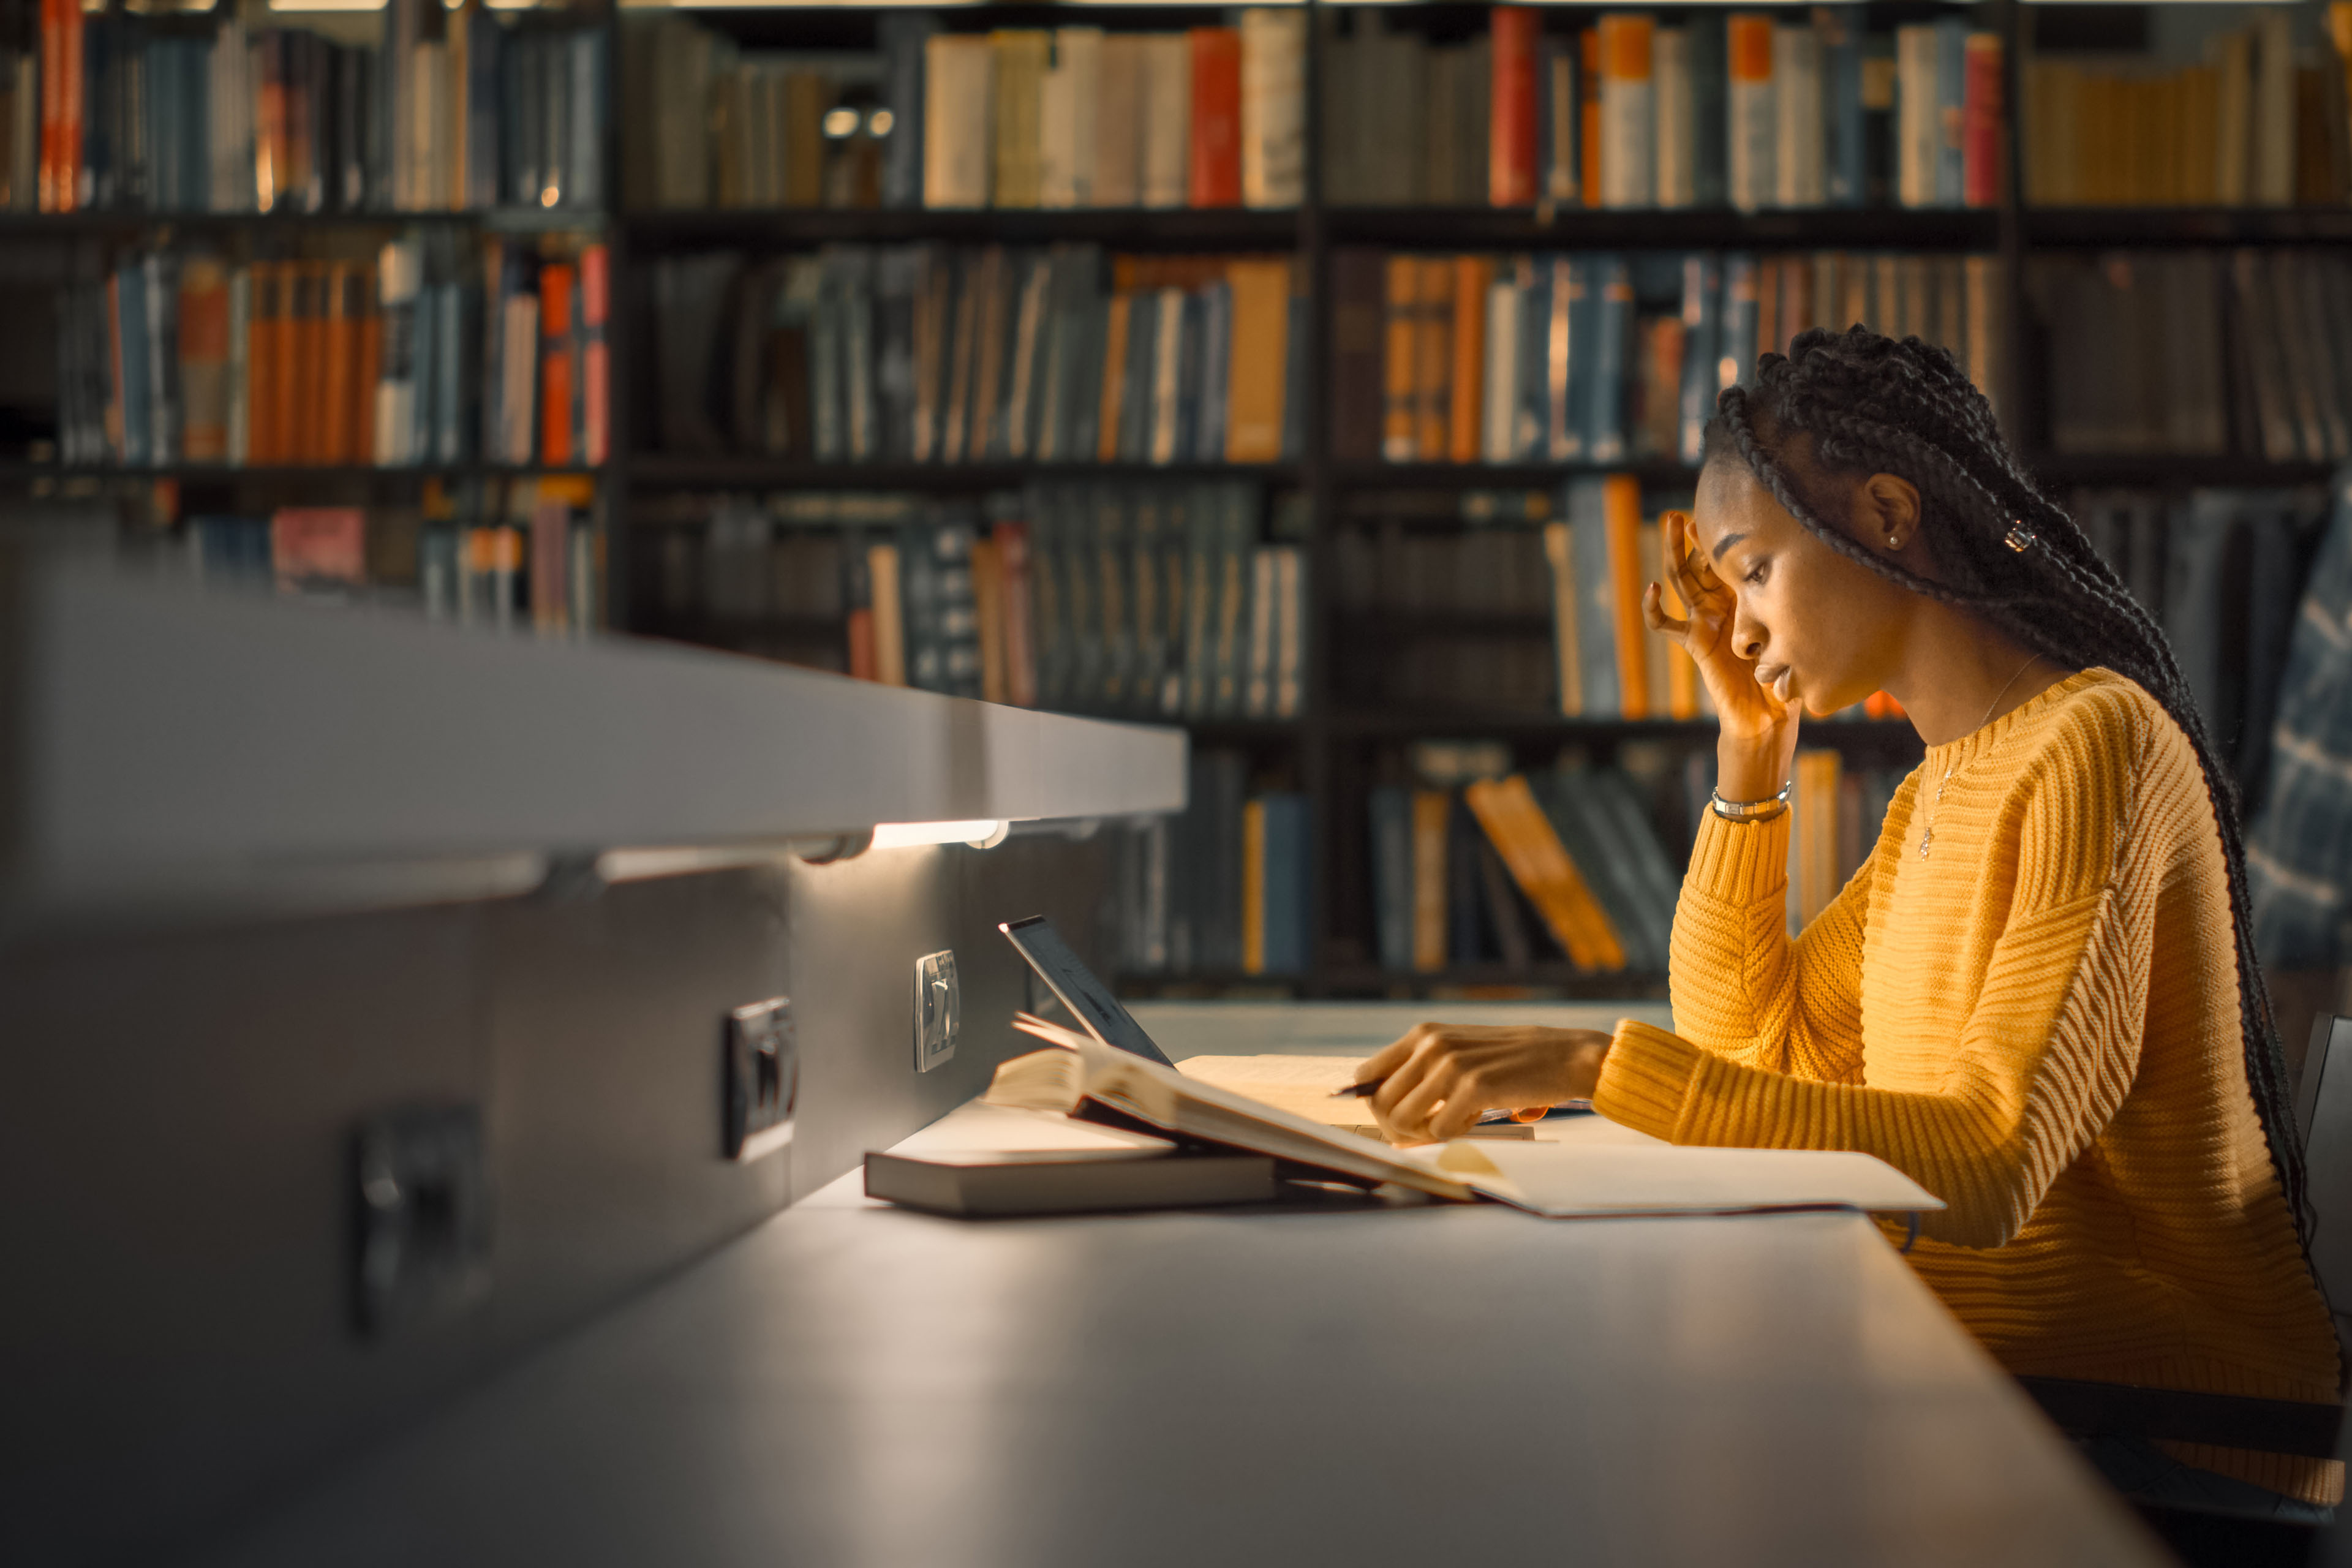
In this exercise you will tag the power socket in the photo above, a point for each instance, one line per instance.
(761, 1078)
(938, 1009)
(420, 1196)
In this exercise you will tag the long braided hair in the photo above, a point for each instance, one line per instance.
(2009, 554)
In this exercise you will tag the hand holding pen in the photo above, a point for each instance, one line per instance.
(1436, 1082)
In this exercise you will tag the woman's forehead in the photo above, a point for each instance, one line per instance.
(1731, 500)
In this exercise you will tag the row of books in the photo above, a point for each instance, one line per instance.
(1750, 111)
(2222, 571)
(931, 353)
(457, 108)
(1606, 358)
(522, 555)
(2257, 120)
(430, 353)
(1221, 888)
(1019, 117)
(1151, 601)
(2199, 351)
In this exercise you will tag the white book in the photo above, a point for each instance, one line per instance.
(1750, 119)
(400, 278)
(1273, 107)
(1118, 123)
(959, 116)
(1670, 74)
(1918, 135)
(1499, 441)
(1798, 177)
(2273, 180)
(1627, 113)
(1166, 160)
(1057, 133)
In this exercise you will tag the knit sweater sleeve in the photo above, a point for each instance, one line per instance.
(1744, 990)
(2040, 1065)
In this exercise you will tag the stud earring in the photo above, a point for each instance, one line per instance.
(2019, 538)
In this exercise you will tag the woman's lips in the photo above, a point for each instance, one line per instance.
(1775, 679)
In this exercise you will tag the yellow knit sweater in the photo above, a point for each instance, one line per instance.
(2038, 1023)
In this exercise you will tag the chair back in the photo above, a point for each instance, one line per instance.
(2324, 1109)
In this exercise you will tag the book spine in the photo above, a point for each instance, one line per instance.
(1952, 111)
(1397, 430)
(1982, 114)
(1214, 161)
(1751, 114)
(1391, 814)
(595, 364)
(1628, 112)
(1604, 402)
(1842, 160)
(1798, 115)
(1919, 130)
(1671, 70)
(1473, 281)
(1273, 106)
(1497, 439)
(1514, 39)
(1701, 334)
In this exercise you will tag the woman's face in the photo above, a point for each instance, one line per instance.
(1822, 628)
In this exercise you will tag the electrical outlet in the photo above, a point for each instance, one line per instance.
(762, 1071)
(938, 1009)
(423, 1215)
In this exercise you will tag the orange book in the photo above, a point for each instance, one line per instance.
(368, 333)
(289, 381)
(1515, 47)
(339, 331)
(1587, 102)
(1682, 671)
(204, 360)
(1433, 360)
(1261, 346)
(261, 359)
(1473, 275)
(1254, 887)
(1114, 379)
(555, 369)
(1622, 518)
(1215, 164)
(595, 368)
(1399, 430)
(1430, 809)
(1531, 848)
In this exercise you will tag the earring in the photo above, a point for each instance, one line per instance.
(2019, 538)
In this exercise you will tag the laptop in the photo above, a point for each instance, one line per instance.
(1079, 989)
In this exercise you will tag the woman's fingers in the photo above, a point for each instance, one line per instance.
(1654, 616)
(1411, 1114)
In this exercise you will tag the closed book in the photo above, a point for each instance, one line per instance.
(902, 37)
(239, 413)
(556, 365)
(1751, 114)
(1357, 374)
(888, 615)
(1629, 573)
(1556, 76)
(1020, 637)
(1498, 439)
(1471, 282)
(1798, 122)
(1590, 838)
(1015, 142)
(1590, 126)
(203, 356)
(1069, 117)
(1391, 816)
(1290, 631)
(299, 362)
(1516, 825)
(1399, 430)
(1919, 130)
(1513, 35)
(1273, 105)
(970, 1184)
(1604, 412)
(1432, 811)
(1567, 638)
(1740, 316)
(1629, 132)
(1588, 506)
(1568, 362)
(1167, 140)
(595, 353)
(519, 368)
(399, 282)
(1981, 135)
(1118, 123)
(264, 440)
(1843, 171)
(1212, 429)
(1257, 696)
(959, 114)
(1675, 131)
(1257, 373)
(1214, 163)
(1615, 799)
(1951, 98)
(339, 377)
(1879, 137)
(1432, 358)
(1702, 306)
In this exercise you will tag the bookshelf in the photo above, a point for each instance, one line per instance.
(1332, 745)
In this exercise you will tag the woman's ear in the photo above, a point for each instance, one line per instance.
(1886, 512)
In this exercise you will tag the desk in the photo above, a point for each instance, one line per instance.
(850, 1386)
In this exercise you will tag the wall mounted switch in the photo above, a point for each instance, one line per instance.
(763, 1077)
(423, 1215)
(938, 1008)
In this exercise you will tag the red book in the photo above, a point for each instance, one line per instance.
(54, 189)
(315, 546)
(1981, 122)
(595, 364)
(555, 368)
(1216, 153)
(1587, 102)
(551, 554)
(1517, 47)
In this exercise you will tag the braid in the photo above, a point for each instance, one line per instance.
(1872, 405)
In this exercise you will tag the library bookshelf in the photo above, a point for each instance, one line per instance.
(1335, 744)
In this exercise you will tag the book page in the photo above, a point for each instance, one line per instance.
(1564, 1180)
(1304, 1086)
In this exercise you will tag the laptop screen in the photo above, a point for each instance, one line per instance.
(1090, 1002)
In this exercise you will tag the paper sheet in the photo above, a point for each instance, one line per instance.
(1565, 1180)
(1302, 1086)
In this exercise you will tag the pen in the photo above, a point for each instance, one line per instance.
(1364, 1090)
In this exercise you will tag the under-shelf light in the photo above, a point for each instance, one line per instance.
(981, 835)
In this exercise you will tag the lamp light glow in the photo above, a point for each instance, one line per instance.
(906, 834)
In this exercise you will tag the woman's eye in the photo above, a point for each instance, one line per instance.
(1755, 574)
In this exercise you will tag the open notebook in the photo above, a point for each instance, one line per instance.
(1558, 1180)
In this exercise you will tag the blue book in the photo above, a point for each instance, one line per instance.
(901, 36)
(484, 73)
(1567, 359)
(1192, 356)
(1596, 622)
(1702, 350)
(1842, 34)
(1710, 145)
(1739, 323)
(426, 336)
(1951, 94)
(131, 325)
(1529, 440)
(452, 329)
(1283, 882)
(1391, 815)
(1208, 444)
(1604, 387)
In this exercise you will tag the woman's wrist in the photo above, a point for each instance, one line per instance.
(1750, 769)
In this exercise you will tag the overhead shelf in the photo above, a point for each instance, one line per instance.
(164, 745)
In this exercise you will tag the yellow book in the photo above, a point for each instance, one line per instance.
(1254, 887)
(1531, 848)
(1261, 341)
(889, 624)
(1622, 517)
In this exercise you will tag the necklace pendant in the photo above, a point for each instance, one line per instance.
(1926, 836)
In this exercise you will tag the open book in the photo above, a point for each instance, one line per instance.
(1554, 1179)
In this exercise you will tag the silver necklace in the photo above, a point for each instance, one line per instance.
(1928, 828)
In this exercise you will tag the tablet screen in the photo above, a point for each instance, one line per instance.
(1090, 1002)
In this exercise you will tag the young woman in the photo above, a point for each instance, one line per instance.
(2039, 997)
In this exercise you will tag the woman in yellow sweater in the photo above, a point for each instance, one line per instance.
(2038, 998)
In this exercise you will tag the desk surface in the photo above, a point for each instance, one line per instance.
(853, 1385)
